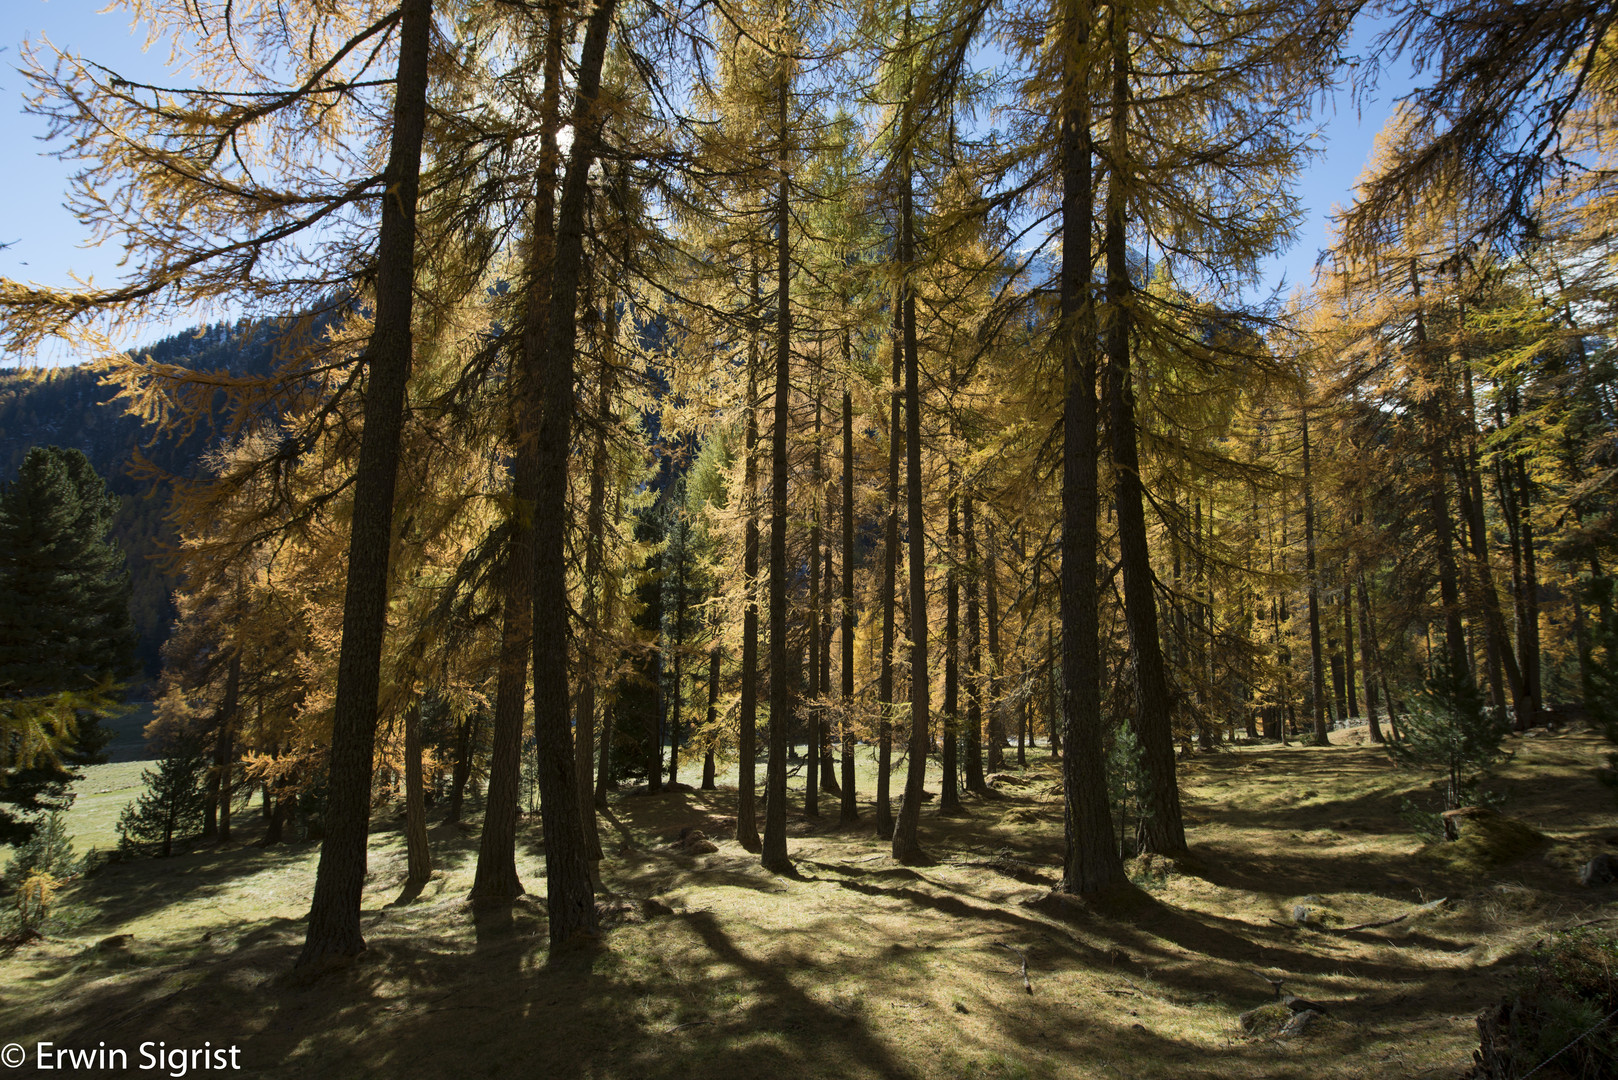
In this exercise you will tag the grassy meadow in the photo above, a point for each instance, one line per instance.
(857, 966)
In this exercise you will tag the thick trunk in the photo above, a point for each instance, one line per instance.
(334, 912)
(1090, 854)
(848, 812)
(569, 893)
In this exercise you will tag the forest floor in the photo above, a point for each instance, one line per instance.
(857, 966)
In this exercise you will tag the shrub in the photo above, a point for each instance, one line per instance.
(48, 851)
(1560, 1023)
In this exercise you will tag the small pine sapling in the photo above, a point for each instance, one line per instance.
(1449, 731)
(172, 806)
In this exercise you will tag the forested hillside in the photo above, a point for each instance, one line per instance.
(71, 406)
(809, 418)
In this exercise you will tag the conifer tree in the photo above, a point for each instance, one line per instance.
(65, 630)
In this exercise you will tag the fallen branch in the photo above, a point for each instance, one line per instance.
(1433, 906)
(682, 1027)
(1028, 986)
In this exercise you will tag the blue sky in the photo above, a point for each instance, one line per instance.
(48, 243)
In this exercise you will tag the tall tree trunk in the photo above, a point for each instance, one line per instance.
(595, 526)
(811, 771)
(1090, 855)
(828, 773)
(1348, 642)
(991, 597)
(1368, 661)
(466, 740)
(217, 825)
(849, 811)
(712, 719)
(890, 573)
(974, 782)
(609, 608)
(1317, 675)
(334, 912)
(746, 746)
(418, 853)
(1162, 831)
(1455, 648)
(569, 893)
(496, 877)
(775, 781)
(949, 800)
(906, 847)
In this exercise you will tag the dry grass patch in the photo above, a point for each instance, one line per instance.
(856, 966)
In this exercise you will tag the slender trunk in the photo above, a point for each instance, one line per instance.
(466, 739)
(569, 893)
(224, 759)
(609, 609)
(418, 853)
(496, 876)
(848, 812)
(595, 525)
(1348, 643)
(1090, 854)
(828, 773)
(775, 782)
(712, 719)
(1456, 652)
(906, 847)
(746, 748)
(996, 710)
(1528, 635)
(949, 800)
(890, 571)
(811, 771)
(1162, 831)
(1367, 652)
(1317, 674)
(334, 913)
(974, 782)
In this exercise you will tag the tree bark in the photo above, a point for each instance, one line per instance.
(570, 895)
(774, 857)
(334, 912)
(906, 846)
(418, 853)
(746, 748)
(1317, 674)
(949, 800)
(848, 811)
(974, 781)
(496, 877)
(1162, 831)
(1090, 859)
(890, 573)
